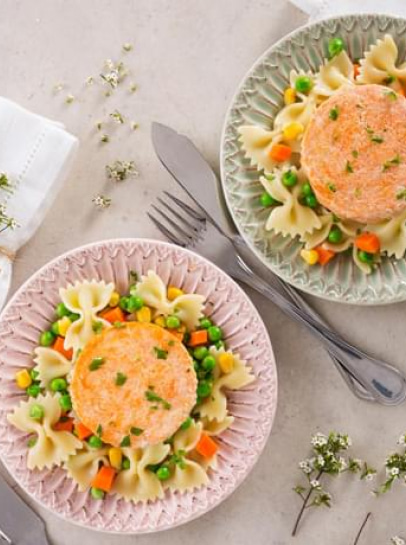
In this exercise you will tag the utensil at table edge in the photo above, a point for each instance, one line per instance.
(187, 167)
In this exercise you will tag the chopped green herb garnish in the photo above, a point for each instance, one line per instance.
(136, 431)
(160, 353)
(349, 168)
(171, 343)
(377, 139)
(97, 327)
(99, 430)
(153, 397)
(178, 458)
(334, 113)
(96, 363)
(391, 95)
(391, 163)
(369, 130)
(401, 195)
(332, 188)
(118, 325)
(120, 379)
(354, 153)
(126, 441)
(32, 441)
(389, 79)
(358, 192)
(269, 177)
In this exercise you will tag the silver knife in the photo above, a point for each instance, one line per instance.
(185, 163)
(19, 524)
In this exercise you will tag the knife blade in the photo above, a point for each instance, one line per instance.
(19, 524)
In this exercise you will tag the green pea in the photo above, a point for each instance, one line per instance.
(219, 344)
(58, 385)
(97, 493)
(204, 389)
(37, 412)
(163, 473)
(123, 303)
(47, 338)
(134, 303)
(267, 200)
(95, 442)
(209, 363)
(33, 390)
(335, 235)
(65, 402)
(303, 84)
(200, 352)
(74, 317)
(307, 189)
(34, 374)
(365, 257)
(205, 323)
(32, 441)
(62, 311)
(187, 423)
(201, 374)
(55, 328)
(125, 464)
(196, 366)
(311, 201)
(289, 178)
(172, 322)
(335, 46)
(215, 333)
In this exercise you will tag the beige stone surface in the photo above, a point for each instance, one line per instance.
(188, 57)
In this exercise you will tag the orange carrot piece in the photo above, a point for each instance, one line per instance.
(113, 315)
(357, 68)
(198, 337)
(64, 425)
(368, 242)
(206, 447)
(82, 431)
(104, 478)
(59, 346)
(324, 255)
(280, 152)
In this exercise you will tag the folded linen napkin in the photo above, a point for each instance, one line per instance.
(35, 154)
(320, 9)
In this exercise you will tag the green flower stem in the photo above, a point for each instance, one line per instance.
(305, 502)
(362, 528)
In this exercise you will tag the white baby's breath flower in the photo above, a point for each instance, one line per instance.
(127, 47)
(394, 472)
(343, 464)
(101, 202)
(396, 540)
(69, 99)
(319, 440)
(58, 87)
(89, 80)
(402, 440)
(315, 484)
(369, 477)
(320, 461)
(305, 466)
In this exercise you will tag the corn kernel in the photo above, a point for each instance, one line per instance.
(292, 130)
(63, 325)
(160, 320)
(174, 292)
(310, 256)
(114, 299)
(289, 96)
(144, 315)
(115, 457)
(226, 362)
(23, 379)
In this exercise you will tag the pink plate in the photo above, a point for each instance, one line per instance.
(31, 310)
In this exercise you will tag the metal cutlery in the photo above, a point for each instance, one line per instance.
(369, 378)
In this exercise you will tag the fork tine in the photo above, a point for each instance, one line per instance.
(188, 209)
(185, 237)
(169, 235)
(193, 227)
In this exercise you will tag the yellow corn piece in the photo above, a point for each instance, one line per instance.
(174, 292)
(114, 299)
(292, 130)
(289, 96)
(63, 326)
(115, 457)
(144, 314)
(226, 362)
(23, 379)
(160, 320)
(310, 256)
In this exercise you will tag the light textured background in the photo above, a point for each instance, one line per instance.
(188, 57)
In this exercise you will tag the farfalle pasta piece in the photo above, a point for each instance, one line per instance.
(52, 447)
(138, 483)
(290, 218)
(84, 465)
(215, 406)
(216, 427)
(50, 364)
(392, 235)
(335, 73)
(379, 63)
(257, 143)
(188, 474)
(188, 307)
(86, 299)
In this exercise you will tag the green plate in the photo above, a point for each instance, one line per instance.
(256, 102)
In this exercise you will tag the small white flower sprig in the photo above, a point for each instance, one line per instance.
(395, 466)
(6, 222)
(396, 540)
(121, 170)
(327, 460)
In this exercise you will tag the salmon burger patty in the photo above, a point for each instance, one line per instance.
(134, 383)
(354, 153)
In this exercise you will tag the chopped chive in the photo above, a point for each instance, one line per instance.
(391, 163)
(391, 95)
(401, 195)
(160, 353)
(136, 431)
(171, 343)
(377, 139)
(99, 430)
(332, 188)
(97, 327)
(354, 153)
(126, 441)
(334, 113)
(349, 168)
(389, 79)
(118, 325)
(96, 363)
(153, 397)
(121, 379)
(358, 192)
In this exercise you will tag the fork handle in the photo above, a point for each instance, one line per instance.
(384, 382)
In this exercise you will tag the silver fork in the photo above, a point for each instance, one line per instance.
(185, 227)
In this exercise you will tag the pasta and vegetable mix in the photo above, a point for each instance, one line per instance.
(128, 391)
(333, 167)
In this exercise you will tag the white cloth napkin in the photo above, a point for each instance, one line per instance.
(319, 9)
(36, 154)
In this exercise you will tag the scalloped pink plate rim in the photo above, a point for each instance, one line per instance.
(262, 365)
